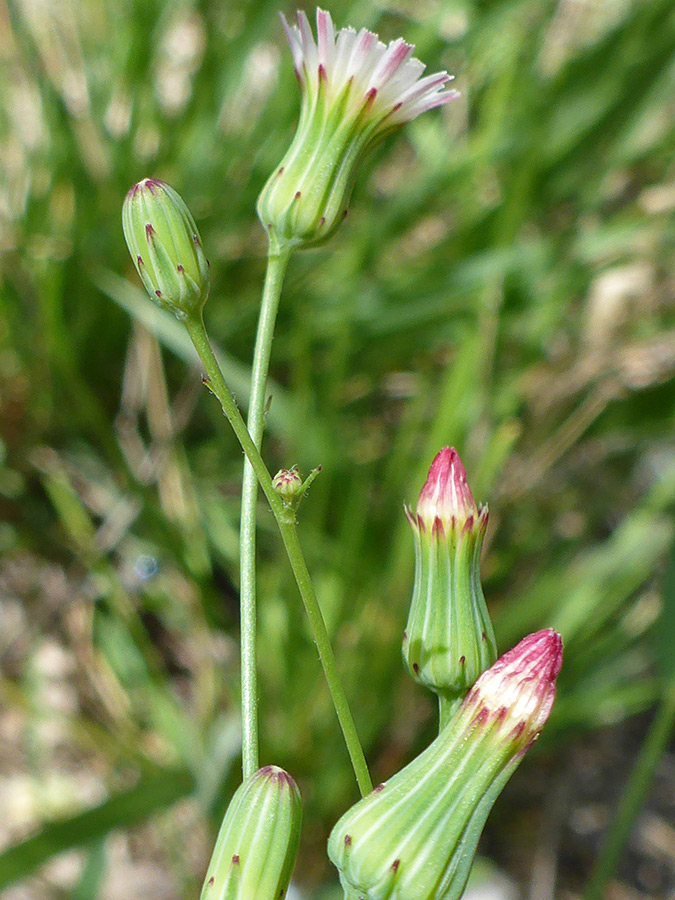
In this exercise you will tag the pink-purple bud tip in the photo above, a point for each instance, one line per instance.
(446, 494)
(277, 775)
(538, 655)
(519, 688)
(151, 184)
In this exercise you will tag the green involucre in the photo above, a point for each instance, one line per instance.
(306, 197)
(258, 841)
(449, 640)
(166, 247)
(414, 838)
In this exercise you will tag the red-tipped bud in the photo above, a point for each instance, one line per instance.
(446, 494)
(519, 688)
(166, 248)
(449, 638)
(287, 483)
(258, 841)
(414, 837)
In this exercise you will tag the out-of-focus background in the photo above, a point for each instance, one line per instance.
(504, 283)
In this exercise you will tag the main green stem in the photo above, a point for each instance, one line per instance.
(274, 277)
(285, 519)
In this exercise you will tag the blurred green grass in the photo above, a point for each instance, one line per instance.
(503, 283)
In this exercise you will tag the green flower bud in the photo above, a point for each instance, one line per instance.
(449, 638)
(258, 841)
(287, 483)
(354, 92)
(414, 837)
(166, 248)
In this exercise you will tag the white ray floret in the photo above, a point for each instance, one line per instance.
(388, 75)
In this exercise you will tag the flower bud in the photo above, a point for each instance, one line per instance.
(166, 248)
(354, 92)
(449, 638)
(414, 837)
(258, 841)
(287, 483)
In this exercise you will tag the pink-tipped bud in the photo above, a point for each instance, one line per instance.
(519, 689)
(449, 638)
(166, 248)
(414, 837)
(287, 483)
(258, 841)
(446, 494)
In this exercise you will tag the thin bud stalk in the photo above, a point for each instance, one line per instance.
(289, 535)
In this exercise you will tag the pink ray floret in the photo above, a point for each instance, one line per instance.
(391, 72)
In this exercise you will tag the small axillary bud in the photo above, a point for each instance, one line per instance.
(291, 488)
(287, 483)
(166, 247)
(414, 837)
(258, 841)
(449, 639)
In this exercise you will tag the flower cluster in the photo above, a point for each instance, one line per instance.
(414, 837)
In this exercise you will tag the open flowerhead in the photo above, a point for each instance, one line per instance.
(414, 837)
(355, 90)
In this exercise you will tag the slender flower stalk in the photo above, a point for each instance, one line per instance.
(449, 639)
(285, 519)
(276, 267)
(414, 837)
(355, 91)
(155, 219)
